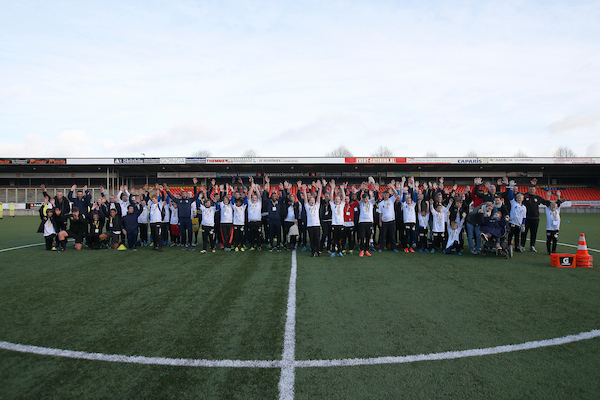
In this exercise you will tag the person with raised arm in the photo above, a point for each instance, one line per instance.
(439, 215)
(156, 214)
(313, 222)
(409, 216)
(184, 206)
(366, 207)
(387, 218)
(552, 221)
(516, 221)
(81, 201)
(291, 210)
(532, 201)
(254, 216)
(227, 211)
(275, 209)
(337, 219)
(60, 201)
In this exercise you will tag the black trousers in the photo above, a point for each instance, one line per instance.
(156, 228)
(531, 225)
(143, 232)
(326, 228)
(422, 238)
(254, 233)
(238, 235)
(226, 230)
(551, 241)
(348, 241)
(387, 234)
(286, 229)
(409, 233)
(439, 239)
(314, 233)
(337, 234)
(364, 234)
(208, 237)
(515, 232)
(50, 241)
(165, 229)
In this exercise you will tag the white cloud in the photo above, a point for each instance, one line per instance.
(593, 150)
(574, 123)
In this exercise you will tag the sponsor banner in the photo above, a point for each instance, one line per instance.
(195, 160)
(35, 161)
(172, 160)
(375, 160)
(578, 160)
(90, 161)
(428, 160)
(590, 203)
(137, 160)
(275, 160)
(189, 175)
(66, 175)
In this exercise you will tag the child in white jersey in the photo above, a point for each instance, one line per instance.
(208, 225)
(552, 222)
(365, 220)
(174, 222)
(454, 232)
(518, 213)
(409, 216)
(440, 216)
(313, 222)
(226, 225)
(423, 227)
(239, 220)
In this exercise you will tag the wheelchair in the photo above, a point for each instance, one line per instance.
(488, 245)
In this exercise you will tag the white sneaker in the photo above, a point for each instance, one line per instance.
(532, 249)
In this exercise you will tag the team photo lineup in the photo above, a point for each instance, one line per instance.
(321, 217)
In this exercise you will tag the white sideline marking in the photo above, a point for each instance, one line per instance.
(571, 245)
(22, 247)
(178, 362)
(346, 362)
(288, 373)
(449, 355)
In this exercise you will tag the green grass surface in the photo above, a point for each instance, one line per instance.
(232, 306)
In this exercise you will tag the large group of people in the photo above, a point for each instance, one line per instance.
(320, 216)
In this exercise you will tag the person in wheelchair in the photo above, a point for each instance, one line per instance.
(493, 229)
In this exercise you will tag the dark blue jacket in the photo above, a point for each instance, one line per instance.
(184, 205)
(130, 221)
(83, 204)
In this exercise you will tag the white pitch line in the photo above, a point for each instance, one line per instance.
(177, 362)
(288, 372)
(22, 247)
(449, 355)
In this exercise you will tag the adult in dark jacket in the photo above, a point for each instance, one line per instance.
(291, 213)
(275, 208)
(130, 225)
(184, 206)
(473, 226)
(96, 224)
(60, 201)
(81, 201)
(533, 202)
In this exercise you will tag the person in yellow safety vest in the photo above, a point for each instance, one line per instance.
(1, 210)
(12, 210)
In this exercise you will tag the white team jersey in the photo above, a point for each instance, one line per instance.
(439, 219)
(454, 234)
(552, 219)
(386, 209)
(154, 212)
(424, 220)
(408, 213)
(312, 214)
(49, 228)
(290, 217)
(517, 213)
(239, 214)
(226, 213)
(174, 219)
(208, 215)
(254, 211)
(337, 213)
(366, 210)
(143, 217)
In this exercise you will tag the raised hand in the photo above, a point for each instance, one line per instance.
(164, 185)
(299, 183)
(442, 180)
(455, 187)
(43, 187)
(499, 182)
(102, 188)
(73, 188)
(534, 181)
(267, 179)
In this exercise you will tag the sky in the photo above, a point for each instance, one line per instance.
(168, 78)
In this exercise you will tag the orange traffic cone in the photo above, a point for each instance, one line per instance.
(584, 260)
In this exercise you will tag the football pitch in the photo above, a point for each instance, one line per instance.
(112, 324)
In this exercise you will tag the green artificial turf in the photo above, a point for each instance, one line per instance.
(182, 304)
